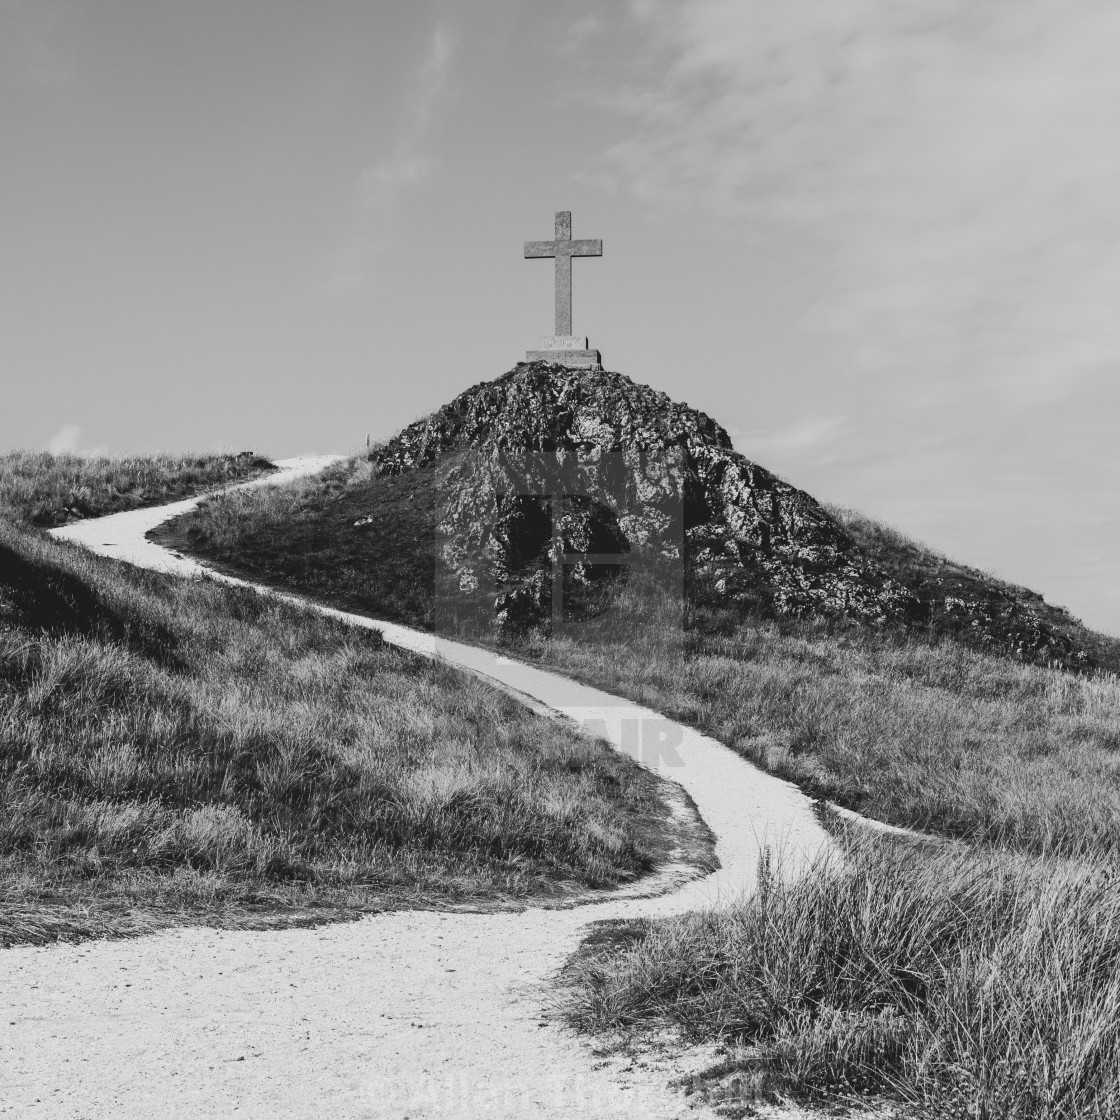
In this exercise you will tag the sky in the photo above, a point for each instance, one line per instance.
(878, 242)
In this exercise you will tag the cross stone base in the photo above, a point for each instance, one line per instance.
(566, 350)
(573, 359)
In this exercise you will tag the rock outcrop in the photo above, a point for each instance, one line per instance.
(549, 484)
(643, 477)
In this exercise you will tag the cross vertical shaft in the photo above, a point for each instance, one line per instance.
(563, 274)
(563, 294)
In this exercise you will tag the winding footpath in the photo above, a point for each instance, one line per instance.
(410, 1014)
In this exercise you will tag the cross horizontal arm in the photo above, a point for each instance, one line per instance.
(564, 248)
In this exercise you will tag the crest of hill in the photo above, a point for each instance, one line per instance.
(751, 539)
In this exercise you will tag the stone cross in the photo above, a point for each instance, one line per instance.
(563, 249)
(564, 348)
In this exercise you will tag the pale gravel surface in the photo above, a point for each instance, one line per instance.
(409, 1014)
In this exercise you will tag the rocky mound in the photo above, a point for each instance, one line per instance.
(641, 476)
(550, 464)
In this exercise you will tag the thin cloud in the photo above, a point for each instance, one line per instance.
(65, 441)
(955, 163)
(68, 441)
(382, 185)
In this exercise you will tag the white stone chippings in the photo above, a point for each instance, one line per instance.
(408, 1014)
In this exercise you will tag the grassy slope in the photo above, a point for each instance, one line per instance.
(977, 983)
(48, 490)
(915, 732)
(304, 536)
(173, 751)
(937, 580)
(940, 738)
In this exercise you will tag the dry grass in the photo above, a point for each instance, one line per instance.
(174, 751)
(936, 737)
(48, 490)
(965, 985)
(915, 729)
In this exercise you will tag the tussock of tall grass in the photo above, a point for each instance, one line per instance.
(973, 986)
(48, 490)
(188, 750)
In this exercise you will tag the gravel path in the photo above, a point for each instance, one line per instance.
(402, 1015)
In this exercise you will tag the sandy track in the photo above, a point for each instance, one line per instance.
(411, 1014)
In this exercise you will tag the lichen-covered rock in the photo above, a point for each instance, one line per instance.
(745, 533)
(996, 620)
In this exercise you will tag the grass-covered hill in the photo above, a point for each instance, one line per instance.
(915, 723)
(970, 980)
(174, 751)
(437, 506)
